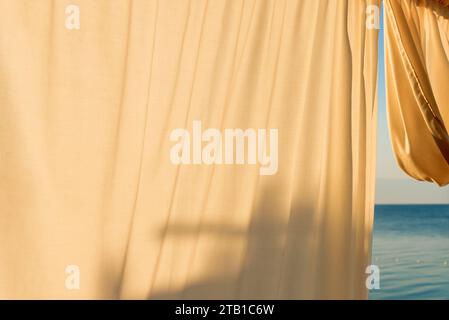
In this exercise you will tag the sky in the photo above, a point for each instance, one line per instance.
(392, 185)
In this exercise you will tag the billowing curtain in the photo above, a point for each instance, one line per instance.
(417, 64)
(86, 178)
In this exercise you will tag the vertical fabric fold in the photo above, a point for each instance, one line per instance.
(86, 173)
(417, 71)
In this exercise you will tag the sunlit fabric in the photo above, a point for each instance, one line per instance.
(85, 173)
(417, 58)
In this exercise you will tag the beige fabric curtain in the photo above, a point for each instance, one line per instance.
(417, 58)
(86, 178)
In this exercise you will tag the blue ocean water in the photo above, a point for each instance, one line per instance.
(411, 248)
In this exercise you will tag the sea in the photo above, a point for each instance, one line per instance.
(411, 249)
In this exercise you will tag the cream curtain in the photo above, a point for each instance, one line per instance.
(85, 173)
(417, 58)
